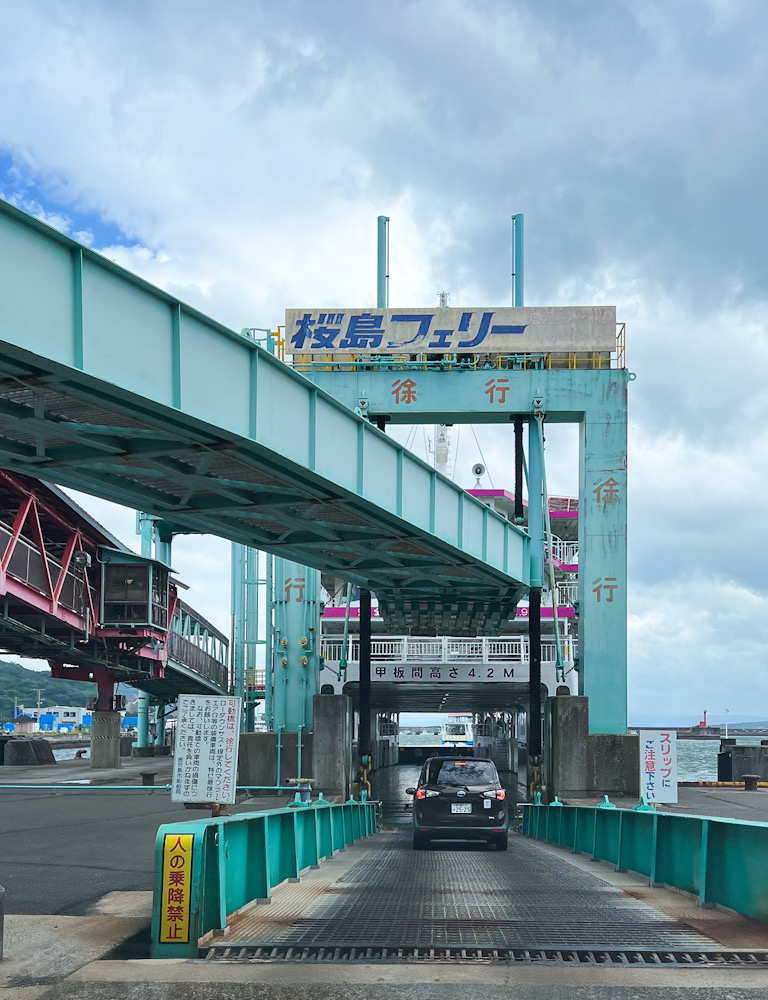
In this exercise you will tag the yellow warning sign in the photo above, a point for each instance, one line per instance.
(176, 888)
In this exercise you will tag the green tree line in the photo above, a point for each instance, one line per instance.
(21, 685)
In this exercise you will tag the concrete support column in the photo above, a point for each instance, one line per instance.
(332, 744)
(105, 739)
(602, 603)
(569, 716)
(260, 754)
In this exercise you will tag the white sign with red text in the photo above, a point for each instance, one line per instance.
(658, 765)
(205, 756)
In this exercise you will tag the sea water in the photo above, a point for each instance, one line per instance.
(68, 753)
(696, 759)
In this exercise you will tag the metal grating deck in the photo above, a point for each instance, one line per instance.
(456, 899)
(568, 957)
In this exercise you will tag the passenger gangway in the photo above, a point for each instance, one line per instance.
(60, 604)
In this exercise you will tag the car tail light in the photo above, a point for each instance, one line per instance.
(420, 793)
(426, 793)
(497, 793)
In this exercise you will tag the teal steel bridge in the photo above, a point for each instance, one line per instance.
(113, 387)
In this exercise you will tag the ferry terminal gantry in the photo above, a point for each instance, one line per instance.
(596, 400)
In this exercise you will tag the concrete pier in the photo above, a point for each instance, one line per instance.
(105, 740)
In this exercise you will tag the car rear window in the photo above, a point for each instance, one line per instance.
(465, 772)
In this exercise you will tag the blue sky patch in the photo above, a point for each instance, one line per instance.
(21, 186)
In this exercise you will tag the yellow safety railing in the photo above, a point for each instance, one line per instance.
(595, 360)
(255, 679)
(621, 345)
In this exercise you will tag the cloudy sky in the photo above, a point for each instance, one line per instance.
(238, 154)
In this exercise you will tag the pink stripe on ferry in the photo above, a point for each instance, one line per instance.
(563, 612)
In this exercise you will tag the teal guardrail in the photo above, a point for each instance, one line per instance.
(207, 869)
(722, 861)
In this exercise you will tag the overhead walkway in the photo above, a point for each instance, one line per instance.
(51, 564)
(111, 386)
(198, 658)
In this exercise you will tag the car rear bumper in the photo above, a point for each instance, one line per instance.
(461, 832)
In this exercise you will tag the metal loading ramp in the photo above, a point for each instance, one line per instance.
(382, 900)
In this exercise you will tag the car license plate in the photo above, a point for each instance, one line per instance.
(461, 807)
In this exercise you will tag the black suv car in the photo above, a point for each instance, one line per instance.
(459, 798)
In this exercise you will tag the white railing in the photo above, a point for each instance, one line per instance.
(443, 649)
(567, 593)
(565, 552)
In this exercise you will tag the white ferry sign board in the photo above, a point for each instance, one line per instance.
(463, 673)
(658, 765)
(508, 330)
(207, 741)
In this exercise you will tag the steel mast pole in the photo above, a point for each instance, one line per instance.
(535, 530)
(518, 264)
(364, 691)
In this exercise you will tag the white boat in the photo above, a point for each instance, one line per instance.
(457, 731)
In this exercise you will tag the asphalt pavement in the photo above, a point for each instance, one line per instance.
(62, 850)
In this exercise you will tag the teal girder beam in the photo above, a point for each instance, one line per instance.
(596, 400)
(111, 386)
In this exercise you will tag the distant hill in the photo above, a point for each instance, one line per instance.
(16, 682)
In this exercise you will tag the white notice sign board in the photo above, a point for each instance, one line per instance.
(658, 765)
(207, 741)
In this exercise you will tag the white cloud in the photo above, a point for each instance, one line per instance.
(697, 642)
(239, 156)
